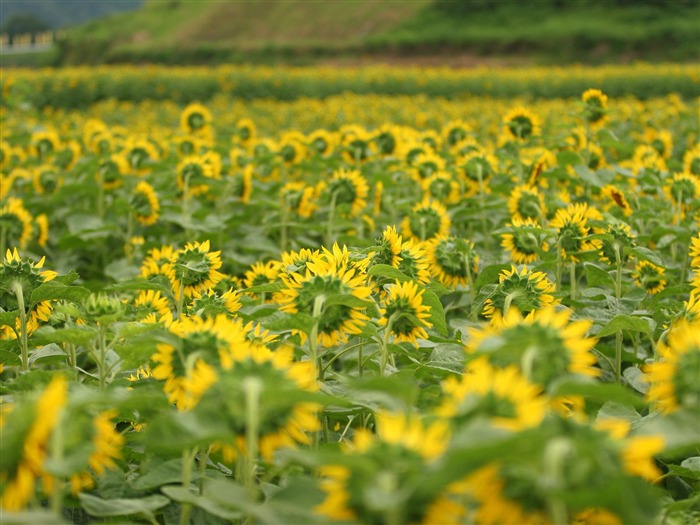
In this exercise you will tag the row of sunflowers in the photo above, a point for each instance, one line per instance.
(359, 310)
(81, 87)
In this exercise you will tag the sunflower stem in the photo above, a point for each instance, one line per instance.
(331, 218)
(3, 238)
(188, 456)
(180, 300)
(472, 289)
(482, 201)
(203, 460)
(385, 343)
(16, 287)
(102, 355)
(128, 248)
(57, 445)
(618, 335)
(252, 388)
(186, 203)
(572, 274)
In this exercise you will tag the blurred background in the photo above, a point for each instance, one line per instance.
(455, 33)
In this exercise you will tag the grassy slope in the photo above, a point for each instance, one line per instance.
(264, 30)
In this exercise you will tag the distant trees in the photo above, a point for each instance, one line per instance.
(22, 24)
(464, 7)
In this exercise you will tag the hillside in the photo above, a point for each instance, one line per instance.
(302, 31)
(63, 13)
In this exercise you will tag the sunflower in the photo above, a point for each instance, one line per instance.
(387, 248)
(694, 251)
(245, 132)
(526, 202)
(195, 174)
(660, 139)
(525, 290)
(261, 273)
(404, 314)
(455, 132)
(214, 341)
(16, 223)
(295, 262)
(388, 140)
(141, 154)
(144, 203)
(324, 277)
(452, 260)
(44, 144)
(157, 262)
(673, 378)
(398, 454)
(617, 244)
(291, 149)
(611, 195)
(691, 161)
(151, 302)
(441, 186)
(476, 169)
(573, 230)
(428, 219)
(545, 342)
(525, 242)
(426, 164)
(501, 497)
(187, 145)
(195, 118)
(299, 198)
(42, 224)
(683, 190)
(357, 144)
(502, 394)
(595, 107)
(276, 377)
(414, 262)
(19, 480)
(194, 269)
(21, 276)
(321, 142)
(111, 171)
(348, 190)
(106, 448)
(242, 184)
(649, 276)
(211, 303)
(46, 179)
(521, 124)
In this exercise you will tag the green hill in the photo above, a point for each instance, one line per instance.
(300, 31)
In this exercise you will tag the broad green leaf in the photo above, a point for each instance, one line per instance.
(627, 323)
(489, 275)
(164, 473)
(8, 318)
(614, 410)
(50, 350)
(265, 288)
(76, 336)
(646, 254)
(596, 276)
(103, 508)
(32, 517)
(386, 270)
(692, 464)
(437, 312)
(347, 300)
(636, 379)
(57, 291)
(284, 322)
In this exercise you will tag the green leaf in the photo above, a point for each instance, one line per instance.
(57, 291)
(646, 254)
(159, 284)
(284, 322)
(489, 275)
(636, 379)
(265, 288)
(32, 517)
(162, 474)
(76, 336)
(103, 508)
(586, 175)
(347, 300)
(603, 392)
(437, 312)
(386, 270)
(614, 410)
(8, 318)
(51, 350)
(629, 323)
(596, 276)
(692, 464)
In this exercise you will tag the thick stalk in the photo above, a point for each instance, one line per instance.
(472, 289)
(16, 287)
(331, 219)
(385, 344)
(618, 335)
(572, 274)
(102, 355)
(187, 459)
(252, 388)
(180, 300)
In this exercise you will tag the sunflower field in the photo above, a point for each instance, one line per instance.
(381, 307)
